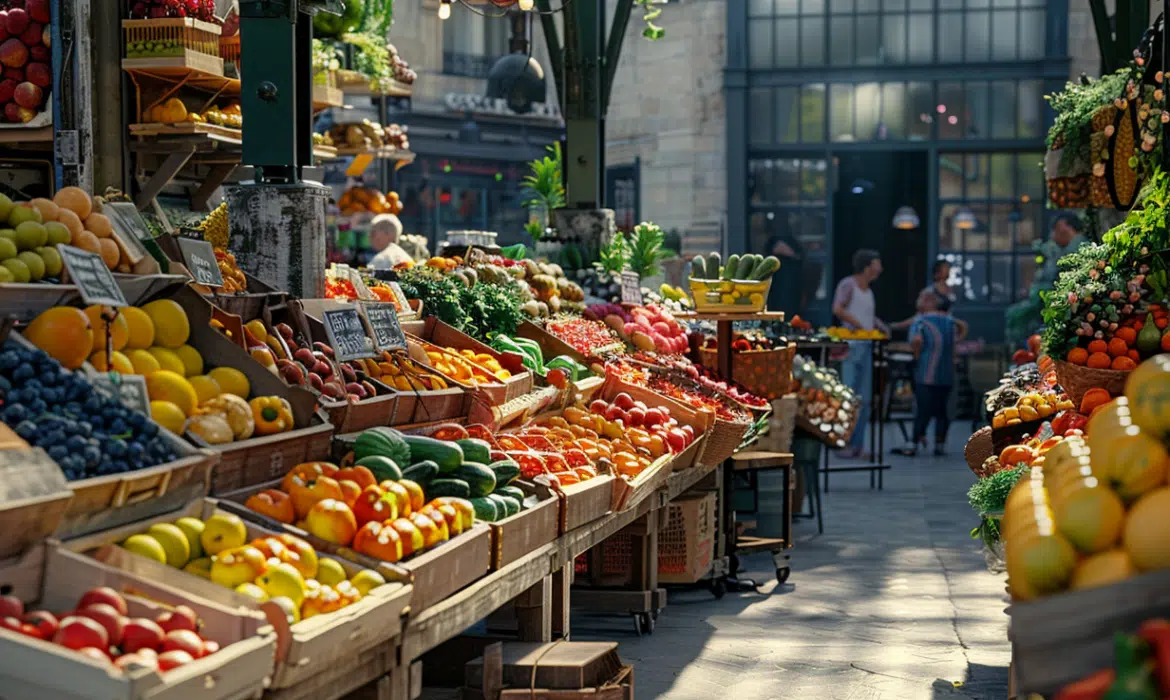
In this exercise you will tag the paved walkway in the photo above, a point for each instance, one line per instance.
(893, 601)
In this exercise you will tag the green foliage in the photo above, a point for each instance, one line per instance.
(490, 309)
(615, 255)
(372, 58)
(989, 495)
(480, 310)
(377, 16)
(649, 13)
(1081, 287)
(646, 251)
(439, 293)
(546, 181)
(1074, 107)
(326, 56)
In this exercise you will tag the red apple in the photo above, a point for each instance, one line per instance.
(4, 25)
(653, 417)
(12, 112)
(30, 630)
(173, 659)
(636, 416)
(10, 623)
(40, 54)
(210, 647)
(689, 432)
(7, 90)
(47, 36)
(104, 594)
(95, 654)
(38, 10)
(107, 616)
(11, 606)
(614, 412)
(623, 401)
(39, 74)
(28, 95)
(44, 621)
(141, 633)
(128, 661)
(183, 640)
(677, 440)
(16, 74)
(17, 21)
(181, 618)
(31, 36)
(79, 632)
(598, 406)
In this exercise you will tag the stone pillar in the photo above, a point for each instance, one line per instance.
(278, 235)
(588, 228)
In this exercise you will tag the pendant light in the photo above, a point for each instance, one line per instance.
(906, 218)
(965, 220)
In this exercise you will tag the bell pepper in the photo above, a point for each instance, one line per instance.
(741, 345)
(533, 349)
(1093, 687)
(272, 414)
(1135, 670)
(1156, 633)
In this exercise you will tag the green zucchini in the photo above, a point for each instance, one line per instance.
(746, 265)
(475, 450)
(448, 455)
(383, 441)
(767, 268)
(480, 479)
(730, 268)
(511, 492)
(447, 487)
(506, 471)
(714, 265)
(510, 505)
(699, 268)
(421, 473)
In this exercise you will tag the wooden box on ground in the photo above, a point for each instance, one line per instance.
(520, 383)
(687, 543)
(533, 527)
(52, 578)
(561, 670)
(1063, 638)
(262, 458)
(303, 649)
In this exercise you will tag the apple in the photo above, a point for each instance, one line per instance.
(285, 331)
(28, 95)
(38, 10)
(321, 368)
(316, 382)
(173, 659)
(183, 640)
(653, 417)
(45, 622)
(104, 594)
(13, 53)
(323, 349)
(331, 520)
(31, 36)
(4, 25)
(10, 623)
(11, 606)
(16, 21)
(141, 633)
(79, 632)
(614, 412)
(128, 661)
(95, 654)
(676, 439)
(598, 406)
(7, 90)
(181, 618)
(623, 401)
(304, 356)
(108, 617)
(689, 432)
(636, 416)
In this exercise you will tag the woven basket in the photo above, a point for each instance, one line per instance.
(1077, 379)
(765, 373)
(722, 441)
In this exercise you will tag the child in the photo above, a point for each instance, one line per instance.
(933, 335)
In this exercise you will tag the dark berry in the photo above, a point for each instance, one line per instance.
(23, 372)
(15, 413)
(27, 430)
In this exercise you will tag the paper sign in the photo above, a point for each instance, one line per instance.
(129, 228)
(89, 272)
(384, 324)
(130, 389)
(199, 257)
(631, 288)
(347, 334)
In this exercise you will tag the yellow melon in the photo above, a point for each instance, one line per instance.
(140, 326)
(119, 362)
(231, 381)
(118, 330)
(171, 327)
(1146, 537)
(168, 360)
(144, 363)
(165, 385)
(192, 360)
(168, 415)
(205, 387)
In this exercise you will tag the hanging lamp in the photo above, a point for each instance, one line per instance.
(906, 218)
(965, 220)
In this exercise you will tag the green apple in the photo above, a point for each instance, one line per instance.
(30, 234)
(22, 213)
(20, 271)
(52, 258)
(7, 248)
(58, 233)
(6, 275)
(36, 266)
(5, 207)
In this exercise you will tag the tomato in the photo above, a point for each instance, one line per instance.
(305, 494)
(379, 541)
(309, 470)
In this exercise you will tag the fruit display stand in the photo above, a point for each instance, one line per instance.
(520, 383)
(304, 649)
(54, 578)
(532, 528)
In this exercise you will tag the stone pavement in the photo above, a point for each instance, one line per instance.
(893, 601)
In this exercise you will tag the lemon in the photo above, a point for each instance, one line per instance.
(168, 415)
(330, 572)
(367, 580)
(146, 546)
(283, 580)
(141, 328)
(144, 363)
(171, 327)
(119, 362)
(174, 542)
(165, 385)
(191, 359)
(168, 360)
(231, 381)
(205, 387)
(201, 567)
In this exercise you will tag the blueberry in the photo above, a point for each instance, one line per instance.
(118, 426)
(51, 437)
(84, 429)
(117, 448)
(33, 384)
(5, 385)
(76, 443)
(23, 372)
(135, 451)
(93, 405)
(150, 430)
(14, 396)
(27, 430)
(37, 406)
(9, 359)
(15, 413)
(39, 355)
(136, 420)
(57, 453)
(93, 456)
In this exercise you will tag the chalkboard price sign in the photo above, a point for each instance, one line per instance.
(89, 272)
(130, 389)
(384, 324)
(631, 288)
(199, 257)
(347, 334)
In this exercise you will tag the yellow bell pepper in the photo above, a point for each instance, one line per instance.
(272, 414)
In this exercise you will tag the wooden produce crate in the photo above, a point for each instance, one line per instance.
(1065, 637)
(24, 302)
(552, 346)
(701, 422)
(196, 45)
(303, 649)
(585, 501)
(53, 578)
(521, 382)
(627, 494)
(534, 527)
(687, 544)
(552, 671)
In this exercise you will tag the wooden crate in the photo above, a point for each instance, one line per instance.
(521, 382)
(629, 493)
(33, 496)
(303, 649)
(349, 417)
(262, 459)
(226, 134)
(552, 346)
(585, 502)
(700, 421)
(516, 536)
(431, 406)
(54, 579)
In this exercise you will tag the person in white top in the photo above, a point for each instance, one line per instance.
(384, 232)
(853, 303)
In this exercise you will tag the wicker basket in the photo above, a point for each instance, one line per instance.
(765, 373)
(722, 441)
(1077, 379)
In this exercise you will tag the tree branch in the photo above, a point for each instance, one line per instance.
(552, 43)
(613, 48)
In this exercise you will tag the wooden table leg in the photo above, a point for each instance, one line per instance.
(562, 583)
(534, 612)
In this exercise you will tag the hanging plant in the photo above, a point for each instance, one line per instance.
(650, 13)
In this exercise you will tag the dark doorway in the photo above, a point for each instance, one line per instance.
(870, 187)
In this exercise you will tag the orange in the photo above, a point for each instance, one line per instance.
(417, 497)
(1123, 363)
(75, 200)
(119, 330)
(71, 222)
(87, 241)
(1098, 346)
(110, 252)
(1118, 347)
(63, 332)
(1078, 356)
(48, 210)
(1129, 335)
(100, 225)
(1099, 360)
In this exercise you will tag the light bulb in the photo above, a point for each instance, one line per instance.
(444, 9)
(525, 5)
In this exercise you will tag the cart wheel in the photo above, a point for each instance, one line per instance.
(647, 621)
(637, 618)
(718, 588)
(782, 574)
(732, 565)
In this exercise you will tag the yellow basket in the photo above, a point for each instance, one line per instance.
(730, 296)
(182, 33)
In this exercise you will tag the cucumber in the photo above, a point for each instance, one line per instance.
(383, 468)
(448, 487)
(746, 265)
(769, 267)
(510, 505)
(699, 268)
(729, 269)
(421, 473)
(506, 471)
(714, 265)
(448, 455)
(485, 509)
(475, 450)
(480, 479)
(511, 492)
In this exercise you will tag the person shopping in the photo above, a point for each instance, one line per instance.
(933, 336)
(385, 230)
(854, 305)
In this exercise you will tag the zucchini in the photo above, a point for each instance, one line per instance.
(486, 509)
(421, 473)
(745, 267)
(509, 505)
(448, 487)
(383, 441)
(448, 455)
(382, 467)
(767, 268)
(731, 267)
(511, 492)
(699, 268)
(714, 265)
(475, 450)
(506, 471)
(480, 479)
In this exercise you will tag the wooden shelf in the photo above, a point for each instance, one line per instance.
(17, 135)
(323, 152)
(719, 317)
(761, 461)
(397, 89)
(380, 153)
(225, 134)
(326, 96)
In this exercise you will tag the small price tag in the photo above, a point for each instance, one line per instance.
(631, 288)
(199, 257)
(384, 324)
(347, 334)
(89, 272)
(129, 228)
(130, 389)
